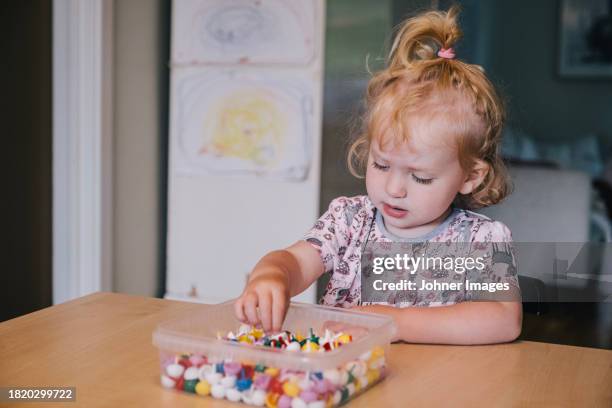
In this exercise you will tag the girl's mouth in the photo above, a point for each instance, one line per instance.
(394, 212)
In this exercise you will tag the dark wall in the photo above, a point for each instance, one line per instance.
(25, 161)
(524, 59)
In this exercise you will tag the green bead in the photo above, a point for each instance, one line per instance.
(345, 394)
(190, 385)
(260, 368)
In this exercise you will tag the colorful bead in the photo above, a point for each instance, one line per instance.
(293, 346)
(272, 371)
(308, 396)
(291, 389)
(284, 401)
(191, 373)
(244, 384)
(190, 385)
(217, 391)
(272, 400)
(175, 370)
(258, 398)
(256, 384)
(233, 394)
(202, 388)
(231, 368)
(298, 403)
(167, 382)
(262, 381)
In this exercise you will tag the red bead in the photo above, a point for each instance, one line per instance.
(249, 371)
(276, 386)
(180, 383)
(185, 363)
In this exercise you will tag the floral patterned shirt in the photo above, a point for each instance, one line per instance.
(340, 233)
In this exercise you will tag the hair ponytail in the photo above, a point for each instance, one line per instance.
(423, 79)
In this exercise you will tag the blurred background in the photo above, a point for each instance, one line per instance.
(550, 59)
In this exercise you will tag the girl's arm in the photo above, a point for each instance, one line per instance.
(462, 323)
(277, 277)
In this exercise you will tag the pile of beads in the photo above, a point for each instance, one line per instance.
(286, 340)
(259, 385)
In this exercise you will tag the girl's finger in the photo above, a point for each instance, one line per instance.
(250, 308)
(265, 311)
(239, 310)
(279, 309)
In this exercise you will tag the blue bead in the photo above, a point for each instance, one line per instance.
(220, 369)
(243, 384)
(319, 375)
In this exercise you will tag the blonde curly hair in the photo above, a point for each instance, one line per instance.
(417, 84)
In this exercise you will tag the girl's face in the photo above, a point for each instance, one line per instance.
(414, 183)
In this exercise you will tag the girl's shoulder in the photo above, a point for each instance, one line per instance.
(481, 227)
(348, 208)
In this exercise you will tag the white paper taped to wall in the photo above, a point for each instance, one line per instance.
(234, 122)
(244, 31)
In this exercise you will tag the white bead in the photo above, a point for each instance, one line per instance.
(317, 404)
(333, 376)
(305, 384)
(217, 391)
(247, 397)
(337, 397)
(229, 381)
(167, 382)
(344, 378)
(191, 373)
(204, 371)
(293, 346)
(258, 398)
(297, 402)
(213, 378)
(175, 370)
(351, 389)
(233, 394)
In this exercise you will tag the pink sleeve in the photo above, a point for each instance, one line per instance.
(330, 234)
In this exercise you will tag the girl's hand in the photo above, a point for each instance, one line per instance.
(276, 277)
(265, 298)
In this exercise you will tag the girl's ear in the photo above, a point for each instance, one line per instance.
(475, 178)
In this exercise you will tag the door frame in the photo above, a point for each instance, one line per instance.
(82, 147)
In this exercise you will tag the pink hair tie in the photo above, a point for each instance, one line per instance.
(447, 53)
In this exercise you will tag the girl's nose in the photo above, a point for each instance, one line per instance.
(395, 186)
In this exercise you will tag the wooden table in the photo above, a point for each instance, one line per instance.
(101, 344)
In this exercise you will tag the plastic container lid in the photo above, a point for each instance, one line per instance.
(198, 334)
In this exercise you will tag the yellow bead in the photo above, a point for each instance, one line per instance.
(271, 371)
(372, 376)
(299, 337)
(357, 385)
(257, 333)
(202, 388)
(344, 338)
(377, 352)
(272, 400)
(291, 389)
(330, 401)
(310, 346)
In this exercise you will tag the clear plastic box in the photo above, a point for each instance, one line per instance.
(194, 359)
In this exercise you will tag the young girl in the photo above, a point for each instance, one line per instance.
(430, 142)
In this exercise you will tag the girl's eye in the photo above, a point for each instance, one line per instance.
(379, 166)
(421, 180)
